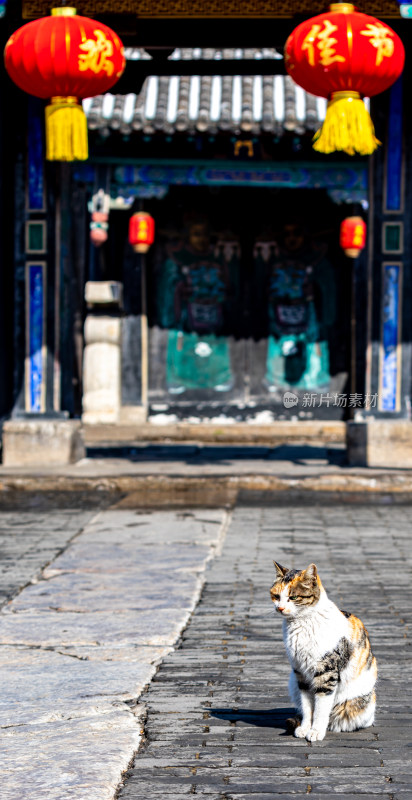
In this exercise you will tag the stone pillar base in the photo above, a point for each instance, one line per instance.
(379, 443)
(132, 415)
(102, 370)
(42, 443)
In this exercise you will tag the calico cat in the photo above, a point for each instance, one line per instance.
(333, 669)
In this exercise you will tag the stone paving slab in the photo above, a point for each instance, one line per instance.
(69, 758)
(217, 707)
(79, 592)
(79, 645)
(31, 539)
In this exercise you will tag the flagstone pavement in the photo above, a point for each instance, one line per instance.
(216, 709)
(141, 657)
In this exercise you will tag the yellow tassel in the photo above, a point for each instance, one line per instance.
(66, 130)
(347, 127)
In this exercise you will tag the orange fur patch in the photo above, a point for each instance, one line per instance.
(350, 709)
(296, 580)
(362, 654)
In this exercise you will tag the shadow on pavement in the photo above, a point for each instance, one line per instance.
(222, 454)
(262, 718)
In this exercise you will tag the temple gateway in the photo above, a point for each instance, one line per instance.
(246, 308)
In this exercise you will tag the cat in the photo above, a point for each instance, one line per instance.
(334, 671)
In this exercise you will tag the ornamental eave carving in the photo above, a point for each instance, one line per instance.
(176, 9)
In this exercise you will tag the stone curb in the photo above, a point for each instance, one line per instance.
(278, 432)
(169, 490)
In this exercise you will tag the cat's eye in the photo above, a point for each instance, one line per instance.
(276, 596)
(293, 597)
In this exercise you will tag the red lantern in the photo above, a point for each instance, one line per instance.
(352, 237)
(67, 58)
(344, 55)
(141, 231)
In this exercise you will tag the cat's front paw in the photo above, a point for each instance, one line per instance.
(315, 735)
(301, 731)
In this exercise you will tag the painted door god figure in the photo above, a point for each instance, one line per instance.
(197, 281)
(301, 307)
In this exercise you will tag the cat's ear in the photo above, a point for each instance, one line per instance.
(281, 571)
(310, 574)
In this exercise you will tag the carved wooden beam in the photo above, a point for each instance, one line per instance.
(206, 8)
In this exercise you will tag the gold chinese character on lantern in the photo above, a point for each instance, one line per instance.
(358, 236)
(380, 37)
(97, 54)
(325, 43)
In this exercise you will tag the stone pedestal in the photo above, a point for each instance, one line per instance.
(102, 370)
(42, 443)
(379, 443)
(103, 293)
(132, 415)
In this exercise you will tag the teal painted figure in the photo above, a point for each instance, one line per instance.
(301, 306)
(192, 297)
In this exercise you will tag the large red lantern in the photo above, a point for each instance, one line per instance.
(344, 55)
(141, 231)
(352, 237)
(67, 58)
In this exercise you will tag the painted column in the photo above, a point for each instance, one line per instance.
(44, 258)
(381, 435)
(34, 278)
(39, 433)
(31, 271)
(36, 268)
(388, 378)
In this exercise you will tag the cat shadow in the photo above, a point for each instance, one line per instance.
(262, 718)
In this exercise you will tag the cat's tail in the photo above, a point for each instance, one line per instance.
(292, 723)
(359, 712)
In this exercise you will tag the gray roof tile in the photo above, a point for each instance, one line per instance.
(255, 104)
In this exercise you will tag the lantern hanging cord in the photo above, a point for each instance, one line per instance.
(342, 7)
(63, 11)
(347, 126)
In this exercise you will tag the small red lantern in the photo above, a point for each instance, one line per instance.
(65, 57)
(352, 237)
(141, 231)
(344, 55)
